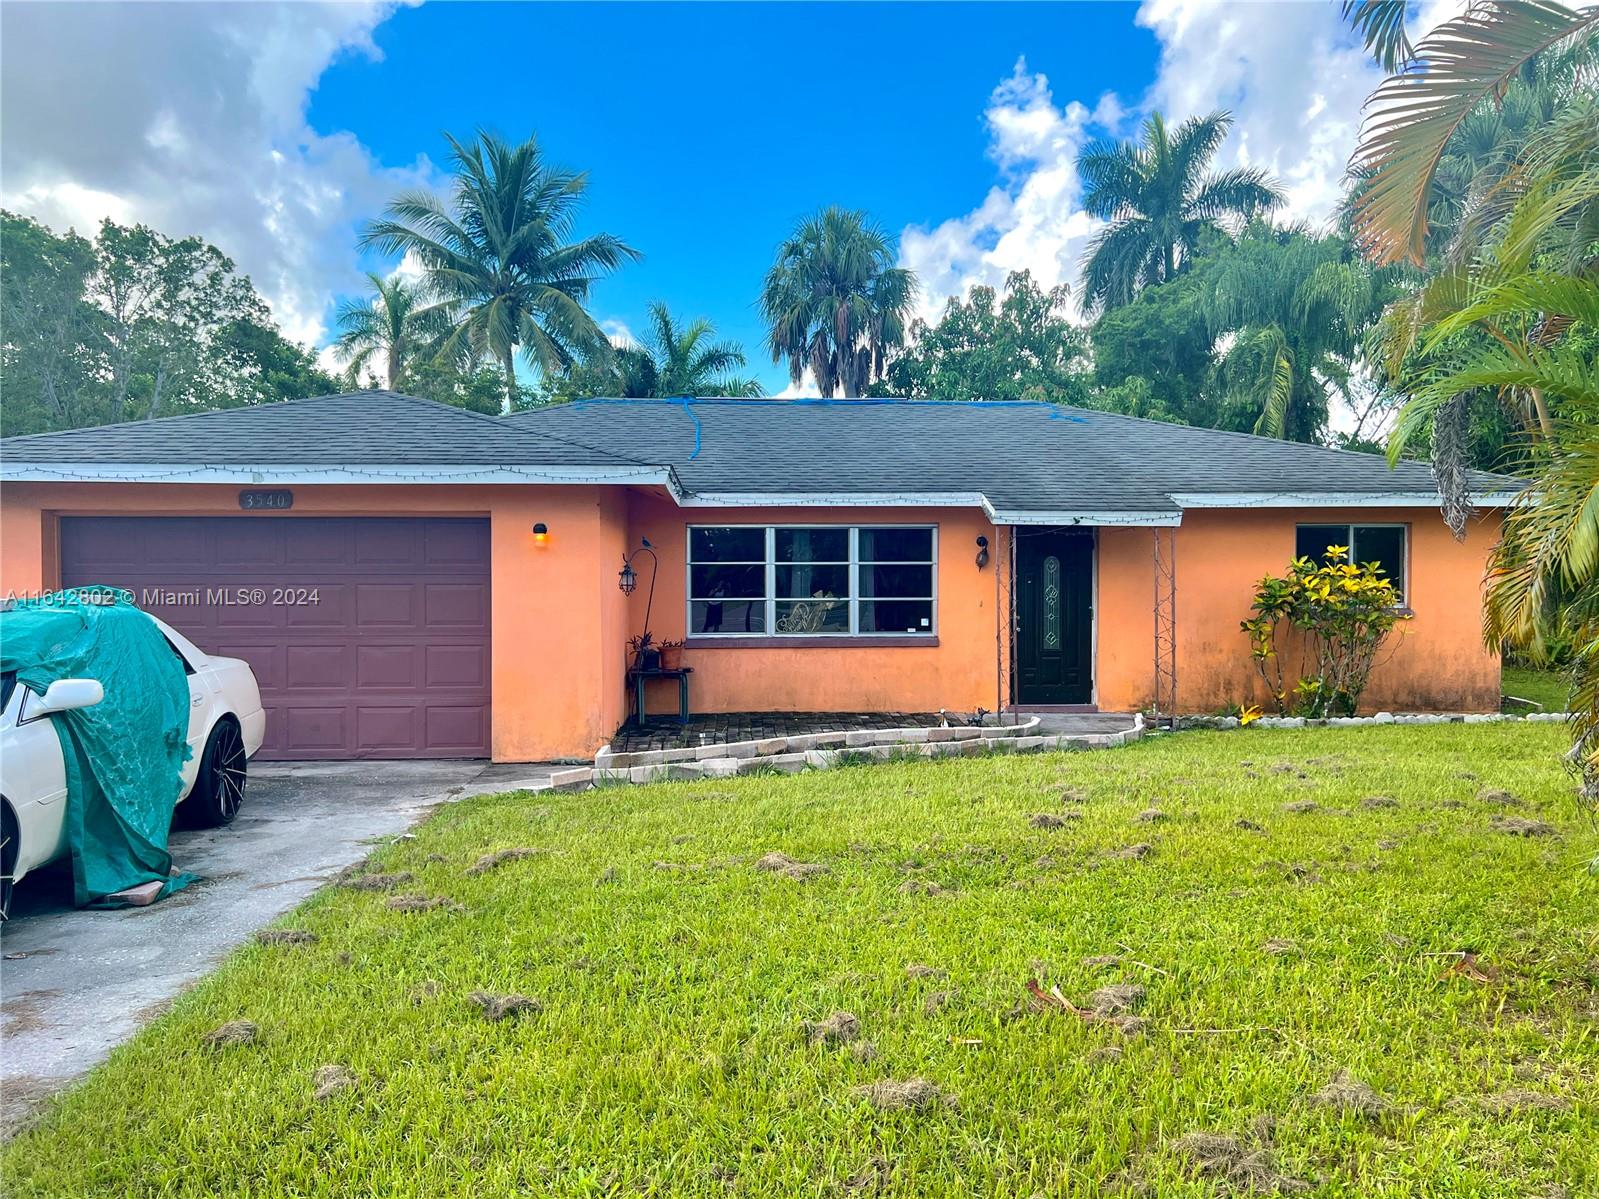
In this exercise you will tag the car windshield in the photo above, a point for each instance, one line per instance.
(8, 684)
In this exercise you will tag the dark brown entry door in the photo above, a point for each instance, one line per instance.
(1054, 613)
(369, 636)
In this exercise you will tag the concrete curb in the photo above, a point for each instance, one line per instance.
(824, 751)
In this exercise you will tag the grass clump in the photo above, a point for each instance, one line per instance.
(1265, 978)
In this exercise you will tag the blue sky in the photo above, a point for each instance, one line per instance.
(275, 130)
(704, 140)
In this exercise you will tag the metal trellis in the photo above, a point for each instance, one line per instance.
(1166, 627)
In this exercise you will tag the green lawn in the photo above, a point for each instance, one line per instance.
(1547, 688)
(668, 1053)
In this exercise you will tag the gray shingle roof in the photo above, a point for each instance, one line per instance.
(1023, 457)
(358, 428)
(1017, 459)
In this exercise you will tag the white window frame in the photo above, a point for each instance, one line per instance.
(1354, 550)
(772, 599)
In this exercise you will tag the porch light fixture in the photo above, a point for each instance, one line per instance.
(541, 534)
(627, 577)
(982, 552)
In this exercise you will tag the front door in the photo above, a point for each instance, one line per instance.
(1054, 617)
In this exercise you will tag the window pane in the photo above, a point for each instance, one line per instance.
(727, 545)
(802, 582)
(813, 616)
(813, 545)
(1383, 545)
(729, 616)
(896, 545)
(916, 582)
(1311, 541)
(715, 582)
(896, 616)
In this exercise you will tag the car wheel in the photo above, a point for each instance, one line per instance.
(10, 843)
(219, 784)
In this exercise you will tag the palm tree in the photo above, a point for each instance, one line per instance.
(1159, 200)
(1518, 319)
(682, 361)
(499, 251)
(395, 323)
(1291, 311)
(834, 302)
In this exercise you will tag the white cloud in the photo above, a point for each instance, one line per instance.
(191, 118)
(618, 333)
(805, 389)
(1293, 76)
(1033, 218)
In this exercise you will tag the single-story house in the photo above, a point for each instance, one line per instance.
(414, 580)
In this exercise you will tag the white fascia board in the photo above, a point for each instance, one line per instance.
(265, 475)
(1332, 499)
(924, 499)
(838, 499)
(1133, 519)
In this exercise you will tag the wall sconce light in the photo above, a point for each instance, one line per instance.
(541, 534)
(982, 552)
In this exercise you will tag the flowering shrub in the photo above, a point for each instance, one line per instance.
(1337, 615)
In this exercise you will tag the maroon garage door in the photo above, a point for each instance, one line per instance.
(369, 636)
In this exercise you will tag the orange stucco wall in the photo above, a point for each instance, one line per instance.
(560, 623)
(557, 614)
(1437, 661)
(960, 672)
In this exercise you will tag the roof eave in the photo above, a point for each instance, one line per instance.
(1333, 499)
(266, 474)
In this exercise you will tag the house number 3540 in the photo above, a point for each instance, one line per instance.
(266, 499)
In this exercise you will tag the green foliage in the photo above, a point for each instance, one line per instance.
(1334, 617)
(834, 302)
(1020, 345)
(391, 328)
(672, 360)
(1152, 357)
(132, 325)
(1159, 201)
(669, 1056)
(497, 253)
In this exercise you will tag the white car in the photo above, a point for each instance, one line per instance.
(226, 726)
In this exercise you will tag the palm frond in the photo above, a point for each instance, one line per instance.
(1414, 114)
(1381, 25)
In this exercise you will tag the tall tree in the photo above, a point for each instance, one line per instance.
(1288, 313)
(672, 359)
(834, 302)
(1018, 345)
(1159, 199)
(500, 251)
(394, 324)
(131, 325)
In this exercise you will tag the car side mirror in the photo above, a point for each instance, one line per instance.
(66, 695)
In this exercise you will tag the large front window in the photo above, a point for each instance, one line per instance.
(811, 581)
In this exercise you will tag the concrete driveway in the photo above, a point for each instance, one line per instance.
(73, 984)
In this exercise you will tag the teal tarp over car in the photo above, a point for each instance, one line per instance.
(124, 756)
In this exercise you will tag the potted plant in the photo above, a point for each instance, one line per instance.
(645, 654)
(671, 655)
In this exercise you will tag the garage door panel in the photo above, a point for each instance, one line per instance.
(391, 660)
(330, 608)
(451, 727)
(397, 666)
(465, 666)
(384, 728)
(318, 667)
(386, 605)
(456, 605)
(450, 542)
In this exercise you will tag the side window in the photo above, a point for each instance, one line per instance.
(1382, 546)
